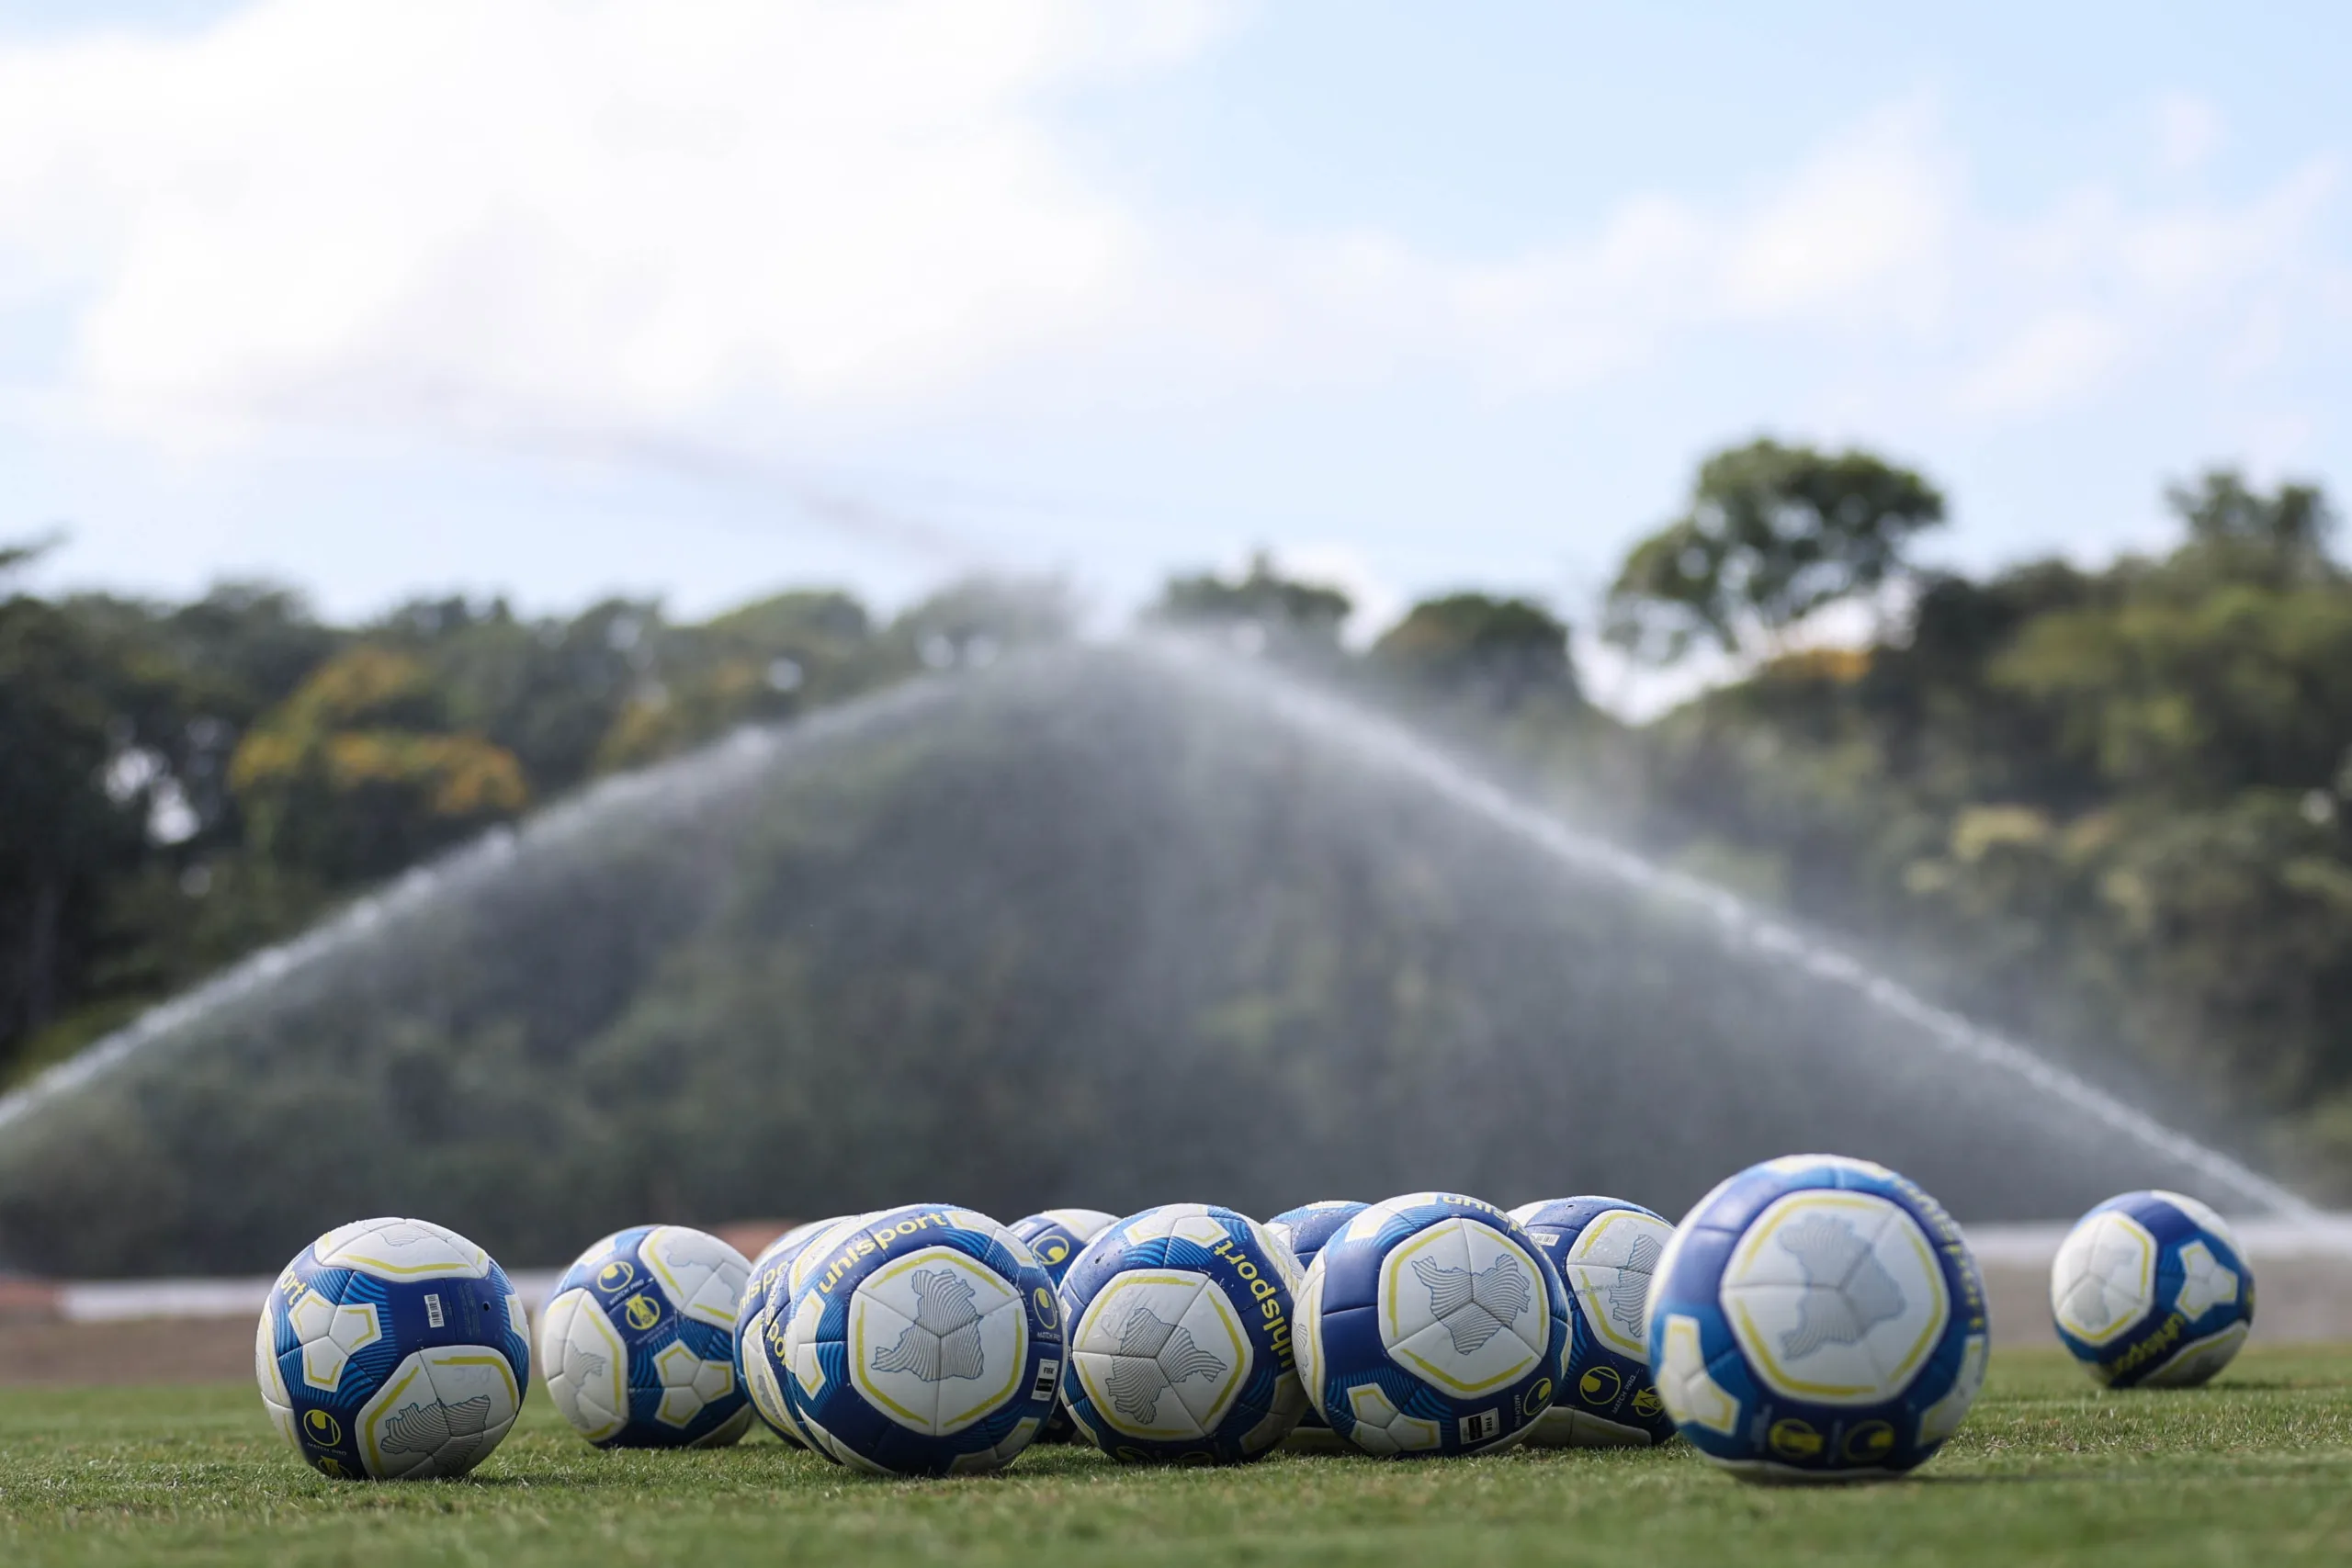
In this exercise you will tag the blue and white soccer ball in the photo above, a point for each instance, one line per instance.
(1181, 1324)
(759, 1343)
(638, 1340)
(1304, 1230)
(392, 1349)
(1817, 1318)
(1606, 1250)
(752, 1321)
(2150, 1291)
(923, 1340)
(1057, 1236)
(1430, 1323)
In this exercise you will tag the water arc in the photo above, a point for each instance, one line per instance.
(1744, 926)
(1105, 924)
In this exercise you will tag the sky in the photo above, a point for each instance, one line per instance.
(556, 300)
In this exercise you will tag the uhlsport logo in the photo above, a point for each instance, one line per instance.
(1792, 1439)
(1836, 1296)
(322, 1427)
(1869, 1442)
(616, 1276)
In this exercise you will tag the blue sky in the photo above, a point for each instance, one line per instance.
(554, 299)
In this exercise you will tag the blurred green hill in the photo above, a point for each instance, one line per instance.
(182, 784)
(1082, 925)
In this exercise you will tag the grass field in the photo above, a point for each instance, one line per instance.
(2255, 1470)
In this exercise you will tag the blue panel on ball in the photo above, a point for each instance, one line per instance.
(1605, 1250)
(751, 1316)
(1304, 1229)
(1057, 1236)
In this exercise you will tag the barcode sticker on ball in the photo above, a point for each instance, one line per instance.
(432, 1310)
(1049, 1374)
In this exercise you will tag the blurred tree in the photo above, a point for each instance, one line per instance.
(67, 819)
(2280, 539)
(1494, 651)
(1263, 606)
(974, 621)
(765, 661)
(358, 775)
(2192, 701)
(548, 691)
(1773, 533)
(2091, 804)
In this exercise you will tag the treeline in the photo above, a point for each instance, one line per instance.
(181, 784)
(2100, 806)
(2104, 808)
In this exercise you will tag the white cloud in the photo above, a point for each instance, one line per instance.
(528, 216)
(2077, 298)
(2054, 358)
(2187, 131)
(467, 211)
(1871, 213)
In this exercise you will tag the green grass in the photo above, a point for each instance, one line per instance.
(2255, 1470)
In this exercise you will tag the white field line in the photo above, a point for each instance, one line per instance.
(1999, 1245)
(122, 1301)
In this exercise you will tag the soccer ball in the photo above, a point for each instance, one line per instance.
(761, 1339)
(1180, 1324)
(2150, 1291)
(1605, 1250)
(925, 1340)
(1304, 1230)
(392, 1349)
(1057, 1236)
(1431, 1325)
(1817, 1318)
(639, 1341)
(752, 1321)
